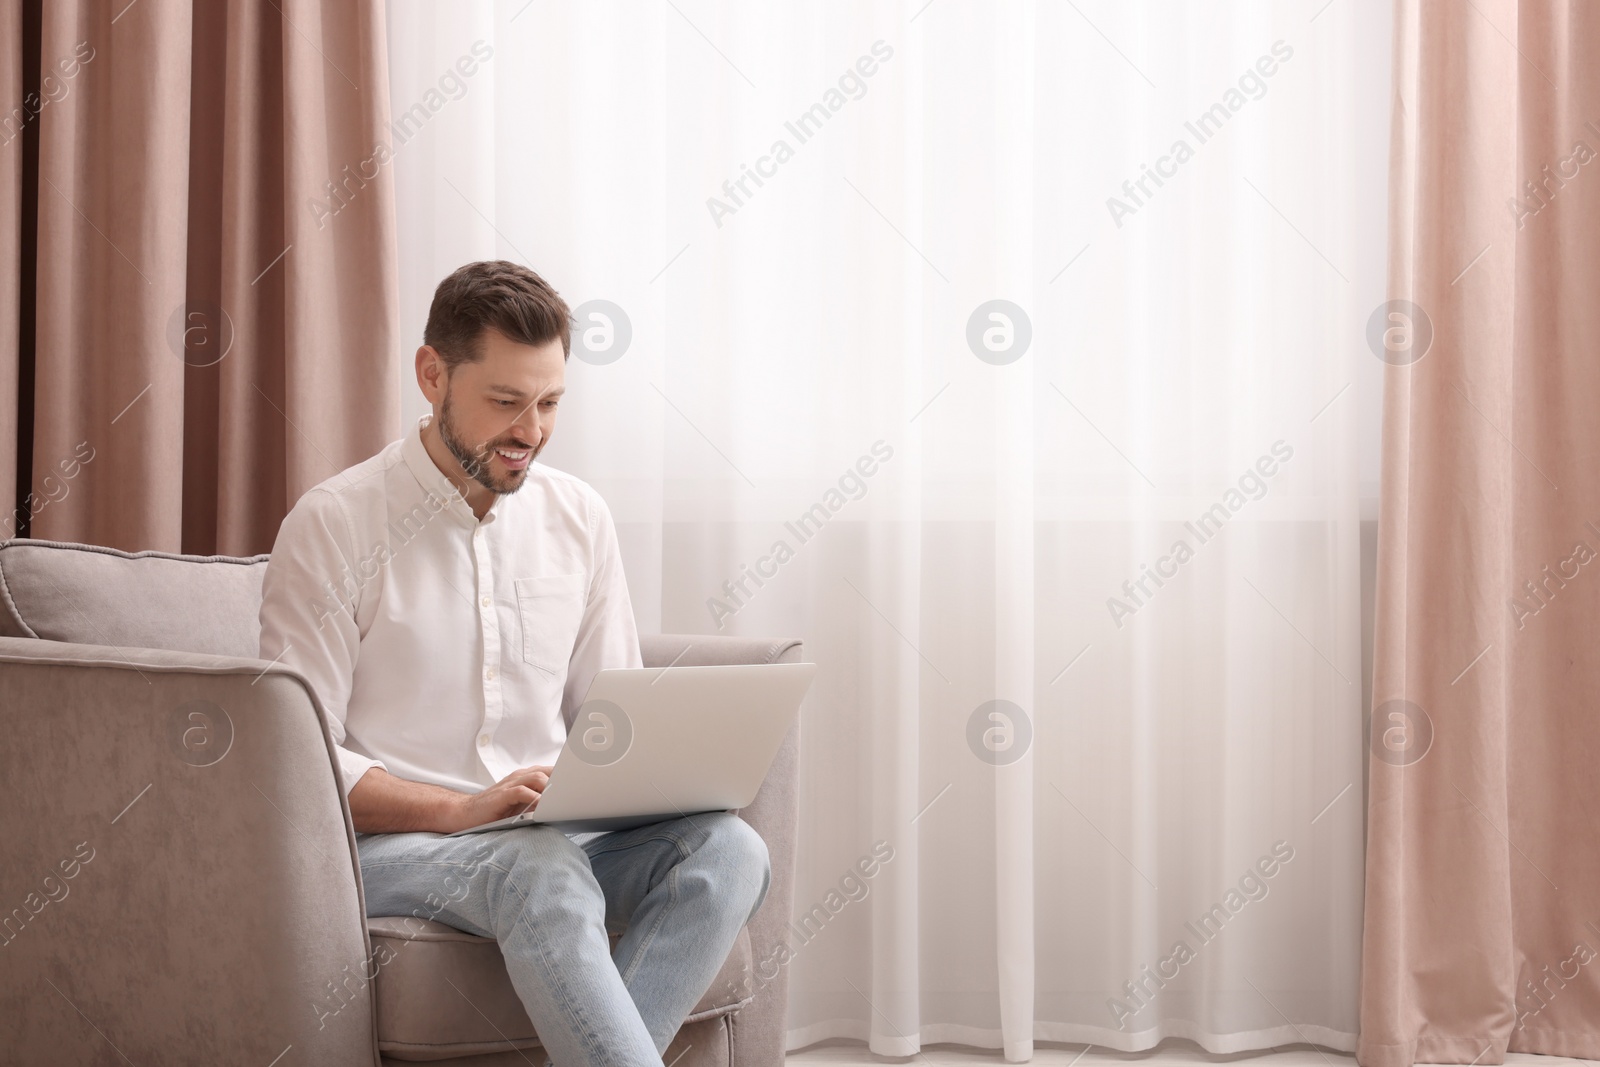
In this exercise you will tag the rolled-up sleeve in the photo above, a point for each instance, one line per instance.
(608, 635)
(308, 600)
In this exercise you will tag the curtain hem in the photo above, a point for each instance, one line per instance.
(1073, 1034)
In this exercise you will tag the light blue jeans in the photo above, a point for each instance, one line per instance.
(678, 891)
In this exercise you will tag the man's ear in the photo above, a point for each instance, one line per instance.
(432, 373)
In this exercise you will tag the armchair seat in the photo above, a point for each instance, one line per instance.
(431, 977)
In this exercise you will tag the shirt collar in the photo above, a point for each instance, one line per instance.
(433, 480)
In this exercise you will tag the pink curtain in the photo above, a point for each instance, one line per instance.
(1482, 931)
(216, 276)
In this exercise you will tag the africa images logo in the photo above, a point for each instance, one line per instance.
(1253, 485)
(1252, 85)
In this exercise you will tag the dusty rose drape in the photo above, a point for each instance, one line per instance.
(11, 82)
(216, 324)
(1482, 930)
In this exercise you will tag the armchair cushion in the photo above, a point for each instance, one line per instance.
(101, 596)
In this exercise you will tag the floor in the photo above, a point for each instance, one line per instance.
(1169, 1054)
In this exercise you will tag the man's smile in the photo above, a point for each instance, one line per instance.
(514, 459)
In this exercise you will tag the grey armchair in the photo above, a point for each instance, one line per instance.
(179, 881)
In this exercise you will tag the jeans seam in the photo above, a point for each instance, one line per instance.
(375, 864)
(672, 837)
(661, 916)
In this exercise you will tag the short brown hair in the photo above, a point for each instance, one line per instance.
(494, 294)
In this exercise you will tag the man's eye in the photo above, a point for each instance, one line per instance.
(550, 403)
(505, 403)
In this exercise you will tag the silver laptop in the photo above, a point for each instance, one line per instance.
(654, 743)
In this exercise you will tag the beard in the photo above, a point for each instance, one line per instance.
(476, 461)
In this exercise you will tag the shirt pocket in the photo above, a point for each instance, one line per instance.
(550, 610)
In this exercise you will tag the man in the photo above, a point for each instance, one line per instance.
(450, 601)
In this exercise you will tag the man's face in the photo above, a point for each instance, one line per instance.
(497, 414)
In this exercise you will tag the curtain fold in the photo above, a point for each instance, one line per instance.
(1482, 923)
(216, 269)
(11, 222)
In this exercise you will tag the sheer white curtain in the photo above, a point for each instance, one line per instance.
(812, 421)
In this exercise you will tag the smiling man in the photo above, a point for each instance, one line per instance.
(450, 600)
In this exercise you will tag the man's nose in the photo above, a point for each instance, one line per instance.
(526, 427)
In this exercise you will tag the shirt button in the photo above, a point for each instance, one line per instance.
(487, 601)
(489, 674)
(478, 532)
(483, 740)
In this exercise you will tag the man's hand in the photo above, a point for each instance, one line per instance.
(380, 803)
(514, 794)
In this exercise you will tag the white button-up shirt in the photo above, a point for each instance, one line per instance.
(445, 649)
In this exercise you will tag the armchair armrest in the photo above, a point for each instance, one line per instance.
(758, 1028)
(179, 862)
